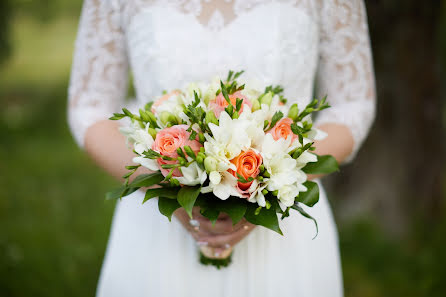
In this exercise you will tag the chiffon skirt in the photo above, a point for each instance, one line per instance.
(149, 256)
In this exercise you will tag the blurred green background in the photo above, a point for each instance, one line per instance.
(390, 203)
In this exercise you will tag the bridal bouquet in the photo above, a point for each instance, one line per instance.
(228, 148)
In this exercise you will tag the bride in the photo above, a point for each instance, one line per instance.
(303, 45)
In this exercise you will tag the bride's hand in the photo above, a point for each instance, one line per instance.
(221, 235)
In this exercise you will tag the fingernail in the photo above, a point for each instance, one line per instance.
(227, 246)
(194, 223)
(245, 227)
(217, 254)
(202, 243)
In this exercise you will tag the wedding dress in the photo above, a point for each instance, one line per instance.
(303, 45)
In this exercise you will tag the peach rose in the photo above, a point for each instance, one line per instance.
(247, 163)
(160, 100)
(167, 142)
(282, 129)
(219, 103)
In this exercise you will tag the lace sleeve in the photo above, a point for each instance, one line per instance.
(345, 71)
(99, 73)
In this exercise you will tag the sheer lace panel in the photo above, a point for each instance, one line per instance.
(99, 71)
(216, 14)
(345, 71)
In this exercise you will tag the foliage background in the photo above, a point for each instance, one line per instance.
(389, 204)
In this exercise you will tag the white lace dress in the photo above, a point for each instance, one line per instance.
(299, 44)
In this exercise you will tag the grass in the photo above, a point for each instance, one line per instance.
(54, 219)
(41, 52)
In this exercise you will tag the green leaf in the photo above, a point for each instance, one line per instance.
(119, 193)
(297, 207)
(238, 104)
(210, 213)
(187, 196)
(311, 196)
(225, 93)
(127, 113)
(230, 73)
(147, 180)
(167, 206)
(170, 193)
(325, 164)
(266, 217)
(276, 117)
(238, 74)
(297, 129)
(151, 154)
(235, 208)
(117, 116)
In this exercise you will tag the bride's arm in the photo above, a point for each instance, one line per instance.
(345, 74)
(98, 86)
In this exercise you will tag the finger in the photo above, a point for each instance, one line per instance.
(221, 241)
(219, 227)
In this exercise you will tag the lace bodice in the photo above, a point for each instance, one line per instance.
(295, 43)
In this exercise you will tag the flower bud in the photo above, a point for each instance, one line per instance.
(255, 105)
(144, 116)
(293, 113)
(167, 117)
(211, 118)
(266, 98)
(151, 116)
(201, 138)
(200, 159)
(182, 161)
(210, 164)
(264, 191)
(152, 132)
(190, 152)
(275, 193)
(180, 152)
(174, 182)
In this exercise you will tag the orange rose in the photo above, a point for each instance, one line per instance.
(219, 103)
(282, 129)
(247, 164)
(168, 140)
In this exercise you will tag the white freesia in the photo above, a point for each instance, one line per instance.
(215, 177)
(254, 128)
(256, 193)
(229, 139)
(225, 187)
(142, 141)
(287, 195)
(192, 175)
(304, 158)
(281, 167)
